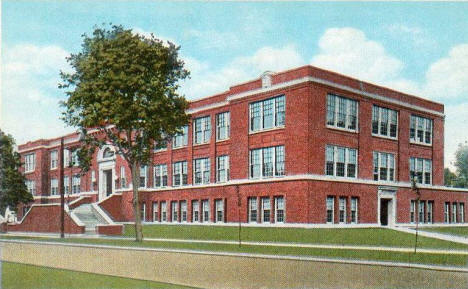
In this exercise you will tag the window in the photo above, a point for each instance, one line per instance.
(342, 112)
(412, 210)
(183, 211)
(201, 172)
(143, 175)
(253, 209)
(180, 139)
(143, 212)
(29, 162)
(222, 169)
(155, 212)
(123, 178)
(74, 158)
(195, 211)
(384, 122)
(53, 159)
(420, 130)
(54, 187)
(222, 126)
(219, 204)
(179, 173)
(159, 147)
(160, 176)
(206, 210)
(76, 181)
(266, 210)
(330, 210)
(462, 212)
(421, 209)
(175, 211)
(454, 212)
(354, 210)
(66, 184)
(430, 212)
(108, 153)
(66, 158)
(31, 186)
(268, 113)
(163, 212)
(202, 130)
(446, 212)
(341, 161)
(93, 180)
(384, 166)
(342, 211)
(279, 210)
(421, 169)
(267, 162)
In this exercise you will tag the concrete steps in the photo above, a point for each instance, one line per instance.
(89, 217)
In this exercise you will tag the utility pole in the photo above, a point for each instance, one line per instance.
(238, 214)
(62, 192)
(415, 188)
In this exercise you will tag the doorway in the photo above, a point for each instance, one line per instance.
(384, 211)
(107, 182)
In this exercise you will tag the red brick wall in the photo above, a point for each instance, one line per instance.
(46, 219)
(113, 206)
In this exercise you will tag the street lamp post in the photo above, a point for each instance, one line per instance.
(415, 188)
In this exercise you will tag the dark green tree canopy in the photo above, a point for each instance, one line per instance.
(13, 189)
(128, 81)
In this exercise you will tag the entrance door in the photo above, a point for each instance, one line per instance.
(384, 211)
(108, 180)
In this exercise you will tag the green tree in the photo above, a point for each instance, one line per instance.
(13, 189)
(461, 164)
(450, 178)
(125, 86)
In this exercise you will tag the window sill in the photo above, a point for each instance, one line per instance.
(53, 169)
(340, 177)
(385, 137)
(420, 143)
(266, 130)
(342, 129)
(28, 172)
(223, 140)
(160, 151)
(178, 148)
(200, 144)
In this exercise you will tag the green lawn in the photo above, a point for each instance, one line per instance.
(352, 236)
(458, 231)
(23, 276)
(419, 258)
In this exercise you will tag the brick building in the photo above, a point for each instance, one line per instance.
(305, 146)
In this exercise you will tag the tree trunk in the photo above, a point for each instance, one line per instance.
(136, 201)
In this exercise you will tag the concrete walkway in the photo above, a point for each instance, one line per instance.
(440, 236)
(268, 244)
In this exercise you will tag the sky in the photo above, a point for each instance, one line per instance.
(419, 48)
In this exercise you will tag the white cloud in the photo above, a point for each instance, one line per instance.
(30, 75)
(447, 78)
(147, 34)
(206, 80)
(416, 36)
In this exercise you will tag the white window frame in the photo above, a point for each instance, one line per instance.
(348, 102)
(412, 211)
(205, 167)
(76, 184)
(144, 174)
(425, 163)
(354, 207)
(66, 185)
(196, 211)
(123, 177)
(204, 124)
(389, 157)
(66, 158)
(421, 213)
(74, 158)
(380, 110)
(31, 187)
(265, 206)
(53, 159)
(278, 208)
(335, 161)
(222, 164)
(219, 207)
(155, 211)
(342, 207)
(180, 140)
(424, 120)
(253, 206)
(454, 213)
(223, 125)
(174, 211)
(330, 206)
(273, 161)
(462, 212)
(183, 211)
(143, 212)
(163, 211)
(447, 212)
(29, 162)
(430, 212)
(93, 179)
(275, 114)
(183, 167)
(54, 187)
(162, 170)
(206, 208)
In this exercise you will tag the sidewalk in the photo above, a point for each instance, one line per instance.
(440, 236)
(252, 243)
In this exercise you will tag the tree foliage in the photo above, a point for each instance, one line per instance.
(459, 178)
(125, 86)
(13, 189)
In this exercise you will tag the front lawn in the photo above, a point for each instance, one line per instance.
(338, 236)
(15, 275)
(458, 231)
